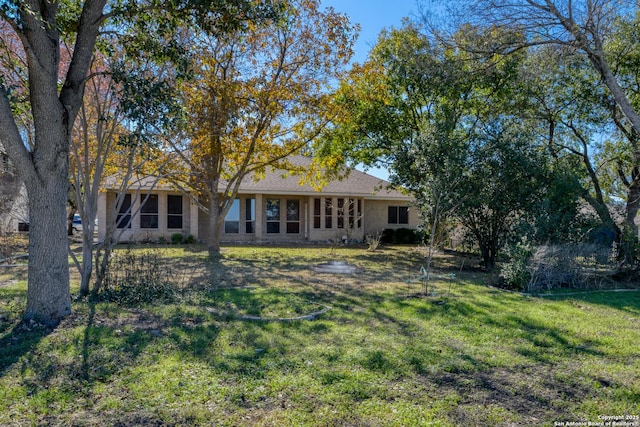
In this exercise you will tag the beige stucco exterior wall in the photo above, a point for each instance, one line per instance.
(370, 217)
(376, 216)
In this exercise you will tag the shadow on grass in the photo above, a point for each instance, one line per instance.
(19, 341)
(624, 300)
(17, 337)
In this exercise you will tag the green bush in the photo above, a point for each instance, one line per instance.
(515, 272)
(176, 238)
(401, 236)
(388, 236)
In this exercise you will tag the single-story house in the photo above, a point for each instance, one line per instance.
(275, 208)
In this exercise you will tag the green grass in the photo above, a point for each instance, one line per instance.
(381, 356)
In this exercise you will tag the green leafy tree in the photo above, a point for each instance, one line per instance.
(445, 123)
(51, 96)
(603, 34)
(257, 99)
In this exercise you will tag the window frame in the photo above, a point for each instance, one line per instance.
(317, 212)
(232, 225)
(250, 215)
(123, 217)
(398, 215)
(328, 213)
(149, 212)
(174, 214)
(273, 223)
(293, 216)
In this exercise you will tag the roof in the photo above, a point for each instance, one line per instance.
(283, 182)
(355, 183)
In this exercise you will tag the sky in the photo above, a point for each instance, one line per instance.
(373, 16)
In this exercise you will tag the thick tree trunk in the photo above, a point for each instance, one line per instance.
(215, 222)
(630, 236)
(633, 202)
(48, 294)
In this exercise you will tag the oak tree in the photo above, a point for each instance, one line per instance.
(257, 99)
(51, 97)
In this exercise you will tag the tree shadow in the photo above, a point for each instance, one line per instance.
(623, 300)
(20, 340)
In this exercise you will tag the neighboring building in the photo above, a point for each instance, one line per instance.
(14, 214)
(273, 209)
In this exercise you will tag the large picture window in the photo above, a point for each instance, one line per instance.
(174, 211)
(273, 216)
(123, 220)
(149, 211)
(293, 216)
(398, 215)
(232, 220)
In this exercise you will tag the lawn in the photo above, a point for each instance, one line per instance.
(378, 354)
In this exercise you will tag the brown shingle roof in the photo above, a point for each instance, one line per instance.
(356, 183)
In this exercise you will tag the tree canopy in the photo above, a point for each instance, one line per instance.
(258, 98)
(47, 51)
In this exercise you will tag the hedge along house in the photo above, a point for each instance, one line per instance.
(276, 208)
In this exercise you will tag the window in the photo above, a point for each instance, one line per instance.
(123, 220)
(317, 219)
(250, 215)
(398, 215)
(149, 211)
(232, 220)
(352, 213)
(293, 216)
(359, 213)
(174, 211)
(273, 216)
(340, 213)
(328, 216)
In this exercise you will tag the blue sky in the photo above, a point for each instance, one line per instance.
(373, 16)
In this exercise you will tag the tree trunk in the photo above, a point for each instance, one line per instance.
(86, 267)
(488, 258)
(633, 202)
(48, 294)
(215, 223)
(628, 249)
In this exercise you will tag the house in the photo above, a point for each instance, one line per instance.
(275, 208)
(14, 214)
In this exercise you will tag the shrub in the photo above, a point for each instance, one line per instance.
(388, 236)
(176, 238)
(515, 272)
(401, 236)
(138, 277)
(190, 240)
(578, 265)
(373, 241)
